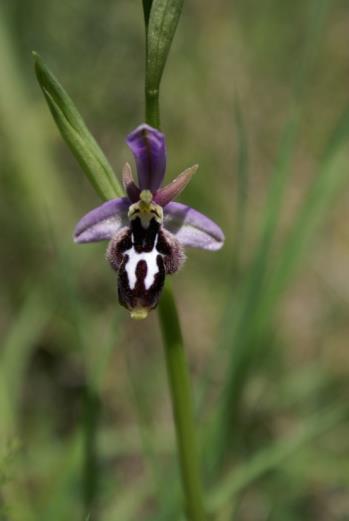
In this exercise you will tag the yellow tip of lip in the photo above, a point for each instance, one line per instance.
(139, 314)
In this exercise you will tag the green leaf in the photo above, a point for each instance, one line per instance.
(163, 20)
(75, 133)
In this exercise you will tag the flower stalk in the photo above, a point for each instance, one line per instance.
(152, 108)
(179, 383)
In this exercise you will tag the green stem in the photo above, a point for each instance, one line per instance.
(177, 367)
(152, 109)
(179, 381)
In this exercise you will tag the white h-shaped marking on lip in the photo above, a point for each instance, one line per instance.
(152, 266)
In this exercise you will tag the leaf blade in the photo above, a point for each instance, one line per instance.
(76, 134)
(163, 20)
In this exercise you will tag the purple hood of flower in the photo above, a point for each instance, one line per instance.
(149, 149)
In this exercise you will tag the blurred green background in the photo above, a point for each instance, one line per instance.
(256, 92)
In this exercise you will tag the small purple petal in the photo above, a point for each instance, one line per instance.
(169, 192)
(130, 186)
(103, 222)
(149, 149)
(192, 228)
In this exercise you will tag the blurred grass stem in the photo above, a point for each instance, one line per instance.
(90, 469)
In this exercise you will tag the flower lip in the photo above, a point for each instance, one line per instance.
(149, 149)
(139, 313)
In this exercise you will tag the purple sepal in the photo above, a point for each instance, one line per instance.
(103, 222)
(192, 228)
(149, 149)
(169, 192)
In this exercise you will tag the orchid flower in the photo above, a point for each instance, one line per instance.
(146, 230)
